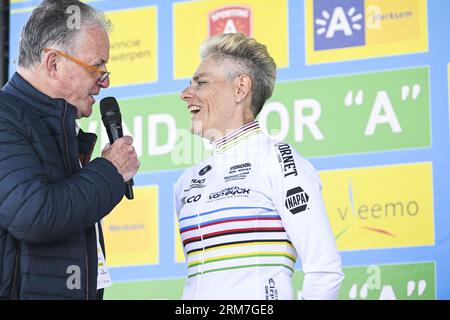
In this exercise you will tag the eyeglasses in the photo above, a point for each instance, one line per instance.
(103, 74)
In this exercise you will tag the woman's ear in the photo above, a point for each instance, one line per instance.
(243, 87)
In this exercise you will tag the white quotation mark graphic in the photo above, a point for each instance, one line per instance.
(383, 111)
(356, 99)
(412, 286)
(387, 291)
(407, 90)
(363, 292)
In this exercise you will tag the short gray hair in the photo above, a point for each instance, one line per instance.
(250, 57)
(48, 26)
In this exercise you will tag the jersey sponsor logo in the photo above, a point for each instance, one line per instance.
(271, 291)
(238, 172)
(188, 200)
(296, 200)
(231, 19)
(231, 192)
(286, 159)
(241, 167)
(205, 170)
(196, 183)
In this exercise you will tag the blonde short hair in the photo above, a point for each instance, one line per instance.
(249, 57)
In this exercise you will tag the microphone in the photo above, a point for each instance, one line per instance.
(112, 120)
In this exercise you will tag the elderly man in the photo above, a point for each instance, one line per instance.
(51, 195)
(250, 210)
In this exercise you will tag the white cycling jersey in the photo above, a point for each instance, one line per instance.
(246, 213)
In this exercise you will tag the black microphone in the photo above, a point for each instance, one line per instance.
(112, 120)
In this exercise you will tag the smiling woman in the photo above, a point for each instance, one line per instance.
(259, 204)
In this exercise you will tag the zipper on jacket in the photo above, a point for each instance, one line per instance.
(87, 277)
(66, 156)
(16, 271)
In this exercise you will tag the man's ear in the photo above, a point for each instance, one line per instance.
(51, 64)
(243, 87)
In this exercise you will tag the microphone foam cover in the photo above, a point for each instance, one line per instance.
(109, 105)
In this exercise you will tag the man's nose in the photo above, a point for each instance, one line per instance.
(103, 84)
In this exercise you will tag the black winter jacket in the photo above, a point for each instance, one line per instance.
(48, 204)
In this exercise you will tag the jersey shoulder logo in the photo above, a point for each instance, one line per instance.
(286, 159)
(296, 200)
(205, 170)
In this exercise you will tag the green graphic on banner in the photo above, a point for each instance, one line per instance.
(321, 117)
(376, 282)
(385, 282)
(352, 114)
(170, 289)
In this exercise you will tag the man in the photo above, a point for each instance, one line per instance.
(250, 210)
(51, 196)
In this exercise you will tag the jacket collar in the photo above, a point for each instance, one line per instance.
(86, 143)
(23, 90)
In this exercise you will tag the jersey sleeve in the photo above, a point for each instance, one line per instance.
(177, 189)
(297, 196)
(177, 196)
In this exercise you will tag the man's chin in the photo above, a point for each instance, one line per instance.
(85, 112)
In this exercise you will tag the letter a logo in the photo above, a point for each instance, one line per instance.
(74, 280)
(338, 24)
(230, 20)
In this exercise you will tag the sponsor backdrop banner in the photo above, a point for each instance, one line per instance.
(362, 92)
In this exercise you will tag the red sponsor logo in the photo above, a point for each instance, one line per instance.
(230, 20)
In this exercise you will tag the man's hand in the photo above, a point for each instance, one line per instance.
(123, 156)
